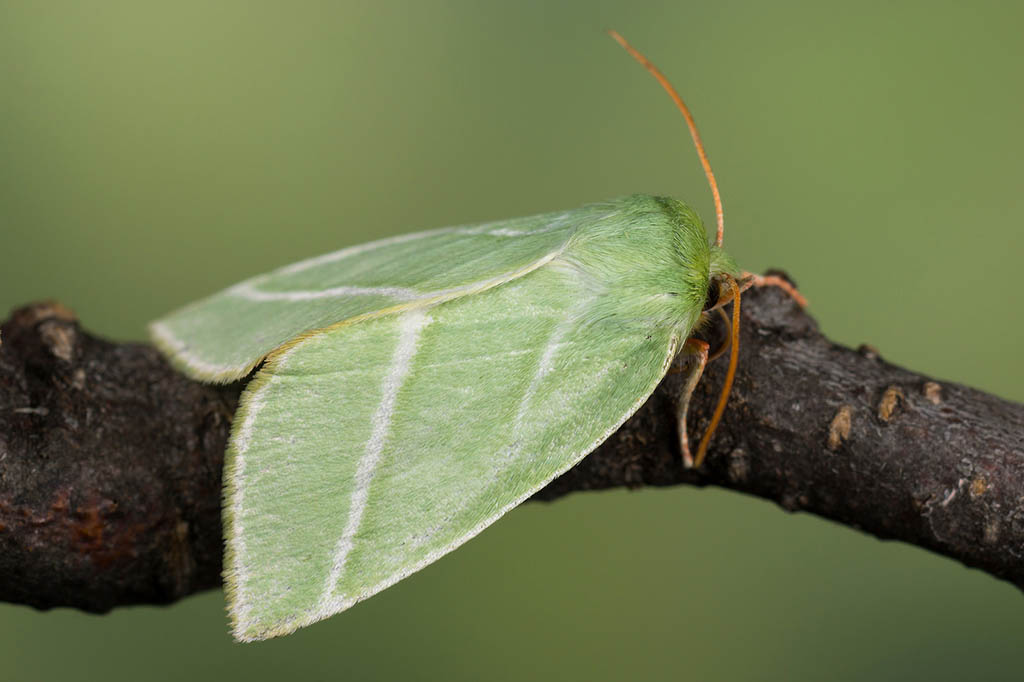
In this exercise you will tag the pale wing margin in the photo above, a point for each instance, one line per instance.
(223, 337)
(365, 452)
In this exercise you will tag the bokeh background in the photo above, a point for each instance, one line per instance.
(151, 153)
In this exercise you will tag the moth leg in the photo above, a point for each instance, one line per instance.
(752, 280)
(699, 351)
(720, 351)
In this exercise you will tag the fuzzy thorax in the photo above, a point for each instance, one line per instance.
(648, 260)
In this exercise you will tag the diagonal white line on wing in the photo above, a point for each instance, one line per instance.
(410, 327)
(545, 365)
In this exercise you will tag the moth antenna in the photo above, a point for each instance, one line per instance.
(734, 354)
(691, 124)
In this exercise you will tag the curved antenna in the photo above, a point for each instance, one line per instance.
(689, 122)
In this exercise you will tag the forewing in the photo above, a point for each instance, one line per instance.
(365, 452)
(222, 337)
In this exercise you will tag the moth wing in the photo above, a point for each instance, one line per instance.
(222, 337)
(362, 453)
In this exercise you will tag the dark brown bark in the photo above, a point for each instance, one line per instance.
(110, 461)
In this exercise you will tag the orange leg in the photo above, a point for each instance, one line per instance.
(720, 351)
(699, 350)
(752, 280)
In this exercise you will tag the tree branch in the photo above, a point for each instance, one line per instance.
(110, 461)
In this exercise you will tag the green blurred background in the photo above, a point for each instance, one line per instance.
(151, 153)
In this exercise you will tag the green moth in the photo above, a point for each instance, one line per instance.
(412, 390)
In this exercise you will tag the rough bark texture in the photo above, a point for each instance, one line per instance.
(110, 461)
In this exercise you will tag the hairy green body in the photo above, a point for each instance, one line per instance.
(417, 388)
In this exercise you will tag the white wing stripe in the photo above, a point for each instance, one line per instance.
(410, 327)
(249, 292)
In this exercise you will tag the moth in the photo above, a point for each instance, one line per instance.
(412, 390)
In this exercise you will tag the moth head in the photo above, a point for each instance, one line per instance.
(722, 269)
